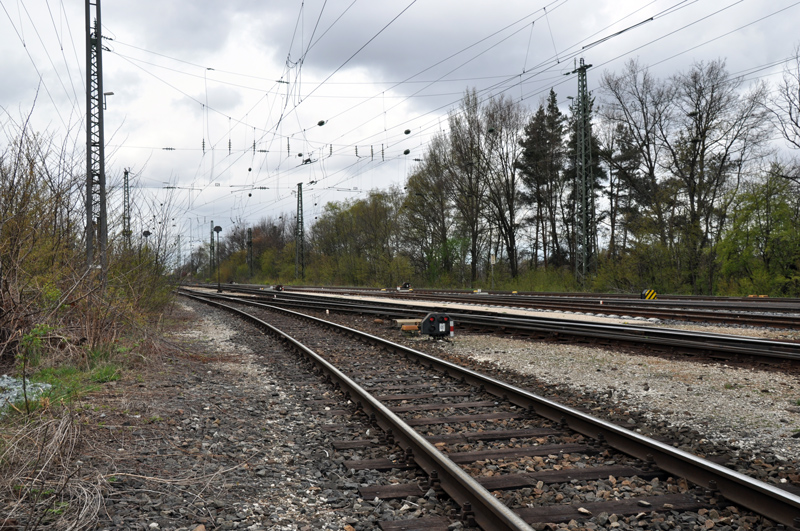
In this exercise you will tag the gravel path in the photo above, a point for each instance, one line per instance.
(219, 438)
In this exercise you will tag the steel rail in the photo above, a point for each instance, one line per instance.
(489, 512)
(656, 309)
(724, 344)
(741, 303)
(748, 310)
(788, 315)
(767, 500)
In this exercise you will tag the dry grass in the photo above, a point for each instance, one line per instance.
(40, 481)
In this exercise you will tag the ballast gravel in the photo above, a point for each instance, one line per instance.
(751, 409)
(229, 434)
(222, 438)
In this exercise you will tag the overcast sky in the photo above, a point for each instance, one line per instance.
(236, 89)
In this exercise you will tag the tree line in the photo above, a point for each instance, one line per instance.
(691, 195)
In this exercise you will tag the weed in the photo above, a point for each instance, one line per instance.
(729, 385)
(33, 346)
(50, 293)
(105, 373)
(58, 508)
(66, 383)
(32, 405)
(30, 355)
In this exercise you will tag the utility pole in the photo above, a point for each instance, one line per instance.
(211, 251)
(126, 209)
(586, 234)
(96, 220)
(250, 250)
(299, 257)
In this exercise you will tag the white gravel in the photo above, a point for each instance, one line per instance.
(752, 409)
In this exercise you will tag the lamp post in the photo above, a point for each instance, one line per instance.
(218, 229)
(145, 234)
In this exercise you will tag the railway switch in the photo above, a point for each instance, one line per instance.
(437, 325)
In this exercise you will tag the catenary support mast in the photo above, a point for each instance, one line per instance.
(586, 234)
(96, 219)
(299, 259)
(126, 209)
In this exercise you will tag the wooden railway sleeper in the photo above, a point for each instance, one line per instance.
(434, 482)
(467, 515)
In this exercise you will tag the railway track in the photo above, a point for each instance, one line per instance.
(720, 347)
(505, 455)
(746, 304)
(758, 312)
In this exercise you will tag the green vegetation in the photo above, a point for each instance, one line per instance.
(67, 383)
(106, 373)
(63, 323)
(60, 324)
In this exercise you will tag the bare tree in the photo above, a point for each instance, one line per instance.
(620, 155)
(505, 121)
(640, 103)
(467, 170)
(786, 103)
(713, 135)
(428, 208)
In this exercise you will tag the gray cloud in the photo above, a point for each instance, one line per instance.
(159, 96)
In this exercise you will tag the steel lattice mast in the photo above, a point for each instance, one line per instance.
(96, 220)
(584, 224)
(299, 258)
(126, 209)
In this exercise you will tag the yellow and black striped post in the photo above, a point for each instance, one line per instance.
(649, 294)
